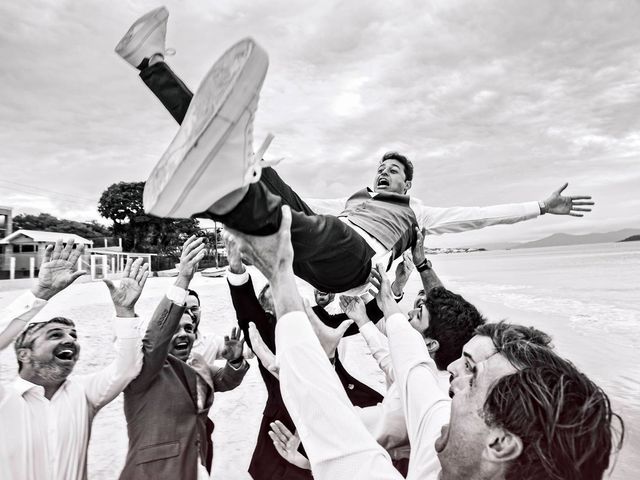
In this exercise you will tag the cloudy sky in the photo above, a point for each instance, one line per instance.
(494, 101)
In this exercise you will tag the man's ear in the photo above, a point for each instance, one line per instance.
(23, 354)
(432, 345)
(502, 446)
(407, 185)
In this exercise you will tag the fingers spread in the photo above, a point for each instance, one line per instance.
(66, 251)
(55, 255)
(561, 189)
(47, 254)
(127, 267)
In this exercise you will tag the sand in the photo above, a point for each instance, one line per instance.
(237, 413)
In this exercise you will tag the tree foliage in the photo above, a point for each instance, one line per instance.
(122, 204)
(49, 223)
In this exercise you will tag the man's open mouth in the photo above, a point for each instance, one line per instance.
(181, 345)
(383, 182)
(65, 353)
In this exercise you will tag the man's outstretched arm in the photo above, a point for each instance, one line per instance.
(103, 386)
(437, 220)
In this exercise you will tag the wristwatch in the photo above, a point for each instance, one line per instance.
(425, 265)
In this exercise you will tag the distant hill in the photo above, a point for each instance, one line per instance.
(559, 239)
(632, 238)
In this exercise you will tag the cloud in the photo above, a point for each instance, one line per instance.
(495, 101)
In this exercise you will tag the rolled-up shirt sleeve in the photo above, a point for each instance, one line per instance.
(105, 385)
(25, 307)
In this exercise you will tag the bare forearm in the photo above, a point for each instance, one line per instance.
(430, 280)
(286, 297)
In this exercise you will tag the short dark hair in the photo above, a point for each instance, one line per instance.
(25, 339)
(563, 419)
(193, 293)
(452, 322)
(262, 296)
(406, 163)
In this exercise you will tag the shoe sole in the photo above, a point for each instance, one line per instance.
(129, 45)
(189, 178)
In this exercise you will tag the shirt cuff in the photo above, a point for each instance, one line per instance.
(237, 279)
(127, 327)
(177, 295)
(366, 329)
(239, 367)
(532, 209)
(24, 308)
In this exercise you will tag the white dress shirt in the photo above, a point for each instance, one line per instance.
(436, 221)
(337, 443)
(386, 420)
(426, 407)
(48, 439)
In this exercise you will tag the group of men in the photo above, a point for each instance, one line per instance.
(465, 399)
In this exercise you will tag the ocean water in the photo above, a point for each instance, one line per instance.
(587, 297)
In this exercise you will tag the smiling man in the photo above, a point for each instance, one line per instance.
(211, 171)
(167, 405)
(46, 413)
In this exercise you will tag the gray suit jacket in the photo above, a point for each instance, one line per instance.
(167, 431)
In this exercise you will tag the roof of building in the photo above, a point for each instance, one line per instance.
(45, 237)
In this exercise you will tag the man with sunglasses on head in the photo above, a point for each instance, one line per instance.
(45, 413)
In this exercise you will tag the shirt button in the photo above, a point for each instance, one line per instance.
(351, 386)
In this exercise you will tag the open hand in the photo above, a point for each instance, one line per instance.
(354, 308)
(127, 293)
(384, 295)
(287, 444)
(403, 272)
(193, 251)
(58, 269)
(417, 251)
(234, 256)
(329, 337)
(264, 354)
(272, 253)
(233, 346)
(559, 204)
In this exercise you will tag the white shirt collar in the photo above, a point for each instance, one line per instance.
(22, 386)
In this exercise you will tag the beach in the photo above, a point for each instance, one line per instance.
(587, 297)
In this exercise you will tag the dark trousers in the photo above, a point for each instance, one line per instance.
(328, 254)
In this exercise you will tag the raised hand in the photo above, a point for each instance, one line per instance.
(58, 269)
(233, 255)
(403, 272)
(193, 251)
(233, 346)
(329, 337)
(287, 444)
(417, 251)
(264, 354)
(127, 293)
(384, 295)
(354, 308)
(559, 204)
(272, 253)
